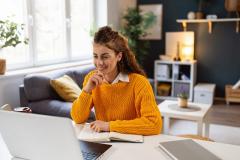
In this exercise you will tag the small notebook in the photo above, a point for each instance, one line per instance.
(186, 150)
(88, 134)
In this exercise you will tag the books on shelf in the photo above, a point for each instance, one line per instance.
(186, 150)
(88, 134)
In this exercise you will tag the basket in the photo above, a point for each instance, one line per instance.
(232, 95)
(164, 89)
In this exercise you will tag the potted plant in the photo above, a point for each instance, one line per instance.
(10, 36)
(183, 100)
(134, 27)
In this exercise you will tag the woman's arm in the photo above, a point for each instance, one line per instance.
(82, 106)
(149, 121)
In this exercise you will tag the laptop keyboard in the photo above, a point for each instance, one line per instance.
(89, 155)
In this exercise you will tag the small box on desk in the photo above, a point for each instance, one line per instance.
(232, 95)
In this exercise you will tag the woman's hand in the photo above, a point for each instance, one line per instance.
(96, 79)
(99, 126)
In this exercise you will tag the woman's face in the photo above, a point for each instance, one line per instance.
(105, 59)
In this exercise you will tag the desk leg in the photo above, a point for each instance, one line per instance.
(207, 129)
(166, 124)
(200, 128)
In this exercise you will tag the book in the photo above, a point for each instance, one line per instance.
(186, 150)
(88, 134)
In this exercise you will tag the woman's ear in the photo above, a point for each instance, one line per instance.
(119, 56)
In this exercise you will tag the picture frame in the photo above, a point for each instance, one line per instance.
(155, 32)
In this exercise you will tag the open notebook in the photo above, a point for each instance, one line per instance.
(88, 134)
(186, 150)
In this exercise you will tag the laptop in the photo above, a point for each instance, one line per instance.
(41, 137)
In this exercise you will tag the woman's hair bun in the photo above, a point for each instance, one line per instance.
(105, 34)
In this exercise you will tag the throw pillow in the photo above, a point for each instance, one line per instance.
(66, 88)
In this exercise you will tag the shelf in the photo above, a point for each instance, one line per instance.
(209, 21)
(176, 62)
(163, 80)
(170, 78)
(182, 81)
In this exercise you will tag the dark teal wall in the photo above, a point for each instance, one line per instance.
(217, 54)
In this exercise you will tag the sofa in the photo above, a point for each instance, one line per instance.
(37, 94)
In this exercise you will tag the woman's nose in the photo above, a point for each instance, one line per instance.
(99, 62)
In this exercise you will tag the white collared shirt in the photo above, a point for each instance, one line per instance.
(121, 77)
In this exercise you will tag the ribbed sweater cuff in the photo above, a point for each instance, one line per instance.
(85, 94)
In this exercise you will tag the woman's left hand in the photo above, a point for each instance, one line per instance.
(99, 126)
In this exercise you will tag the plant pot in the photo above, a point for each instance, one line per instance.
(2, 66)
(199, 15)
(182, 102)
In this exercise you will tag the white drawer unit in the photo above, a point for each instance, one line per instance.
(204, 93)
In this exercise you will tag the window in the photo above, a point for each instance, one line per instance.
(58, 31)
(80, 28)
(16, 11)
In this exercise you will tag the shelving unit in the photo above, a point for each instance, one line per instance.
(174, 77)
(210, 22)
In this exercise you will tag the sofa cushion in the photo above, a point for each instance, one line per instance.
(66, 88)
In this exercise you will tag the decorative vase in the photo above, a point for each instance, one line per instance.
(2, 66)
(199, 15)
(183, 102)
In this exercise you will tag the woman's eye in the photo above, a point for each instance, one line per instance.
(104, 57)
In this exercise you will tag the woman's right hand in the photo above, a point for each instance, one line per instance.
(96, 79)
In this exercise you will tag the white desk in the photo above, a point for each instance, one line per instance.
(198, 116)
(148, 149)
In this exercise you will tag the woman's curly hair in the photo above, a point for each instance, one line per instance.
(118, 43)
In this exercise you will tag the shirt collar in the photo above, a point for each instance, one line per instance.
(121, 77)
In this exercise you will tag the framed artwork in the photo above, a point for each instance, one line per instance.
(155, 32)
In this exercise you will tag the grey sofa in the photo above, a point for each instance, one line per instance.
(37, 93)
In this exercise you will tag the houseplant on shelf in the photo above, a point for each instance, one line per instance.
(10, 36)
(183, 100)
(134, 27)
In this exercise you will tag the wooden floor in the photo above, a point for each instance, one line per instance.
(220, 113)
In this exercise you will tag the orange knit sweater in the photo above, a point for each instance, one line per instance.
(130, 107)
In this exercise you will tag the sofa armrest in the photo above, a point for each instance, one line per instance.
(23, 98)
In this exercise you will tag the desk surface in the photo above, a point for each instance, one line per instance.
(149, 149)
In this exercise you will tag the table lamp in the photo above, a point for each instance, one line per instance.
(187, 52)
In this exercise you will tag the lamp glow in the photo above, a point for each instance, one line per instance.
(187, 52)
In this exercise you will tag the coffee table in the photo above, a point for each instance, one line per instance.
(197, 112)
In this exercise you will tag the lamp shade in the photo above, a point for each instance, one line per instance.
(187, 52)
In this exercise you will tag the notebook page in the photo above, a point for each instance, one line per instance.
(90, 135)
(126, 137)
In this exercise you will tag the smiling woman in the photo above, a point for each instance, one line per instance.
(118, 90)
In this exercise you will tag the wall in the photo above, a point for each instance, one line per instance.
(218, 54)
(115, 9)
